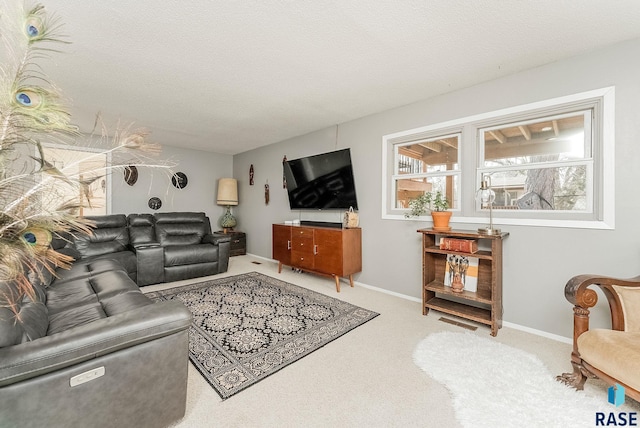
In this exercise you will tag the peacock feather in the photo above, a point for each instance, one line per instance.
(34, 203)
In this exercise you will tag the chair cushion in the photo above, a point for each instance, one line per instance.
(616, 353)
(630, 298)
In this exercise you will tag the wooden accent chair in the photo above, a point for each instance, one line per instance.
(612, 355)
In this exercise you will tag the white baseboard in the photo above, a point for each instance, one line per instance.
(514, 326)
(542, 333)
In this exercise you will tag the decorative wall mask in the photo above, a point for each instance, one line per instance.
(284, 178)
(266, 194)
(179, 180)
(155, 203)
(251, 175)
(130, 174)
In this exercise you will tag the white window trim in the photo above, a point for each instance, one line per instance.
(606, 155)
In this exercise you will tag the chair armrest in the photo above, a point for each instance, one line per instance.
(95, 339)
(577, 291)
(150, 261)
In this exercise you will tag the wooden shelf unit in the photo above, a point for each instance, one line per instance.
(322, 250)
(482, 306)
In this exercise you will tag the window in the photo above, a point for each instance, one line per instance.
(425, 165)
(84, 165)
(549, 163)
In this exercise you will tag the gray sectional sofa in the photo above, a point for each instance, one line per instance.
(156, 248)
(88, 348)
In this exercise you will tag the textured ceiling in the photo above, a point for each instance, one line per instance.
(230, 76)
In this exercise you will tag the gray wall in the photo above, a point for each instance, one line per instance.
(202, 170)
(538, 260)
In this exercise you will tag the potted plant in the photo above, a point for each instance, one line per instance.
(437, 204)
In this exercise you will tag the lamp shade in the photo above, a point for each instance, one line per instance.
(227, 191)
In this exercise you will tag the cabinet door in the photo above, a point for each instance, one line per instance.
(281, 243)
(328, 251)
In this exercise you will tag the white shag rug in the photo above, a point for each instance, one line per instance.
(495, 385)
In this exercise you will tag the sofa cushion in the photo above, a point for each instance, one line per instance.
(85, 299)
(126, 259)
(178, 255)
(83, 268)
(109, 235)
(630, 302)
(181, 228)
(88, 290)
(141, 229)
(22, 318)
(74, 317)
(616, 353)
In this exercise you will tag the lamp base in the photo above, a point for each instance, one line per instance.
(228, 221)
(489, 231)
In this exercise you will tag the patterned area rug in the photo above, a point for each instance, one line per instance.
(247, 327)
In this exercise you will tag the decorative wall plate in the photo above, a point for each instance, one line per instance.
(130, 175)
(155, 203)
(179, 180)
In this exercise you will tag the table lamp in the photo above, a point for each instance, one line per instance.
(485, 195)
(227, 196)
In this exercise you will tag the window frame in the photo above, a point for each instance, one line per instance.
(601, 163)
(457, 172)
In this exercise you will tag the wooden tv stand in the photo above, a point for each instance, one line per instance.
(322, 250)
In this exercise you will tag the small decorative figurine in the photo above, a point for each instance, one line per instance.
(251, 175)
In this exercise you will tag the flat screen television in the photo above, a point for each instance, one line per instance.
(321, 182)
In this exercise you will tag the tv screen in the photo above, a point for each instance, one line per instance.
(321, 182)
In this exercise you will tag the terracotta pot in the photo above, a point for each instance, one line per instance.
(441, 220)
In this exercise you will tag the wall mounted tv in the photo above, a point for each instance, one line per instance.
(321, 182)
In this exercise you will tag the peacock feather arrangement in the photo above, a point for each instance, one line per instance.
(35, 206)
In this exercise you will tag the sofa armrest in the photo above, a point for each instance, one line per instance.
(150, 261)
(224, 249)
(95, 339)
(583, 298)
(215, 238)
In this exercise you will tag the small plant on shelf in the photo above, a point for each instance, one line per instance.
(431, 201)
(434, 202)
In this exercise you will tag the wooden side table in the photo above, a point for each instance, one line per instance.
(484, 305)
(238, 242)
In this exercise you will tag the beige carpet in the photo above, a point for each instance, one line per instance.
(365, 379)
